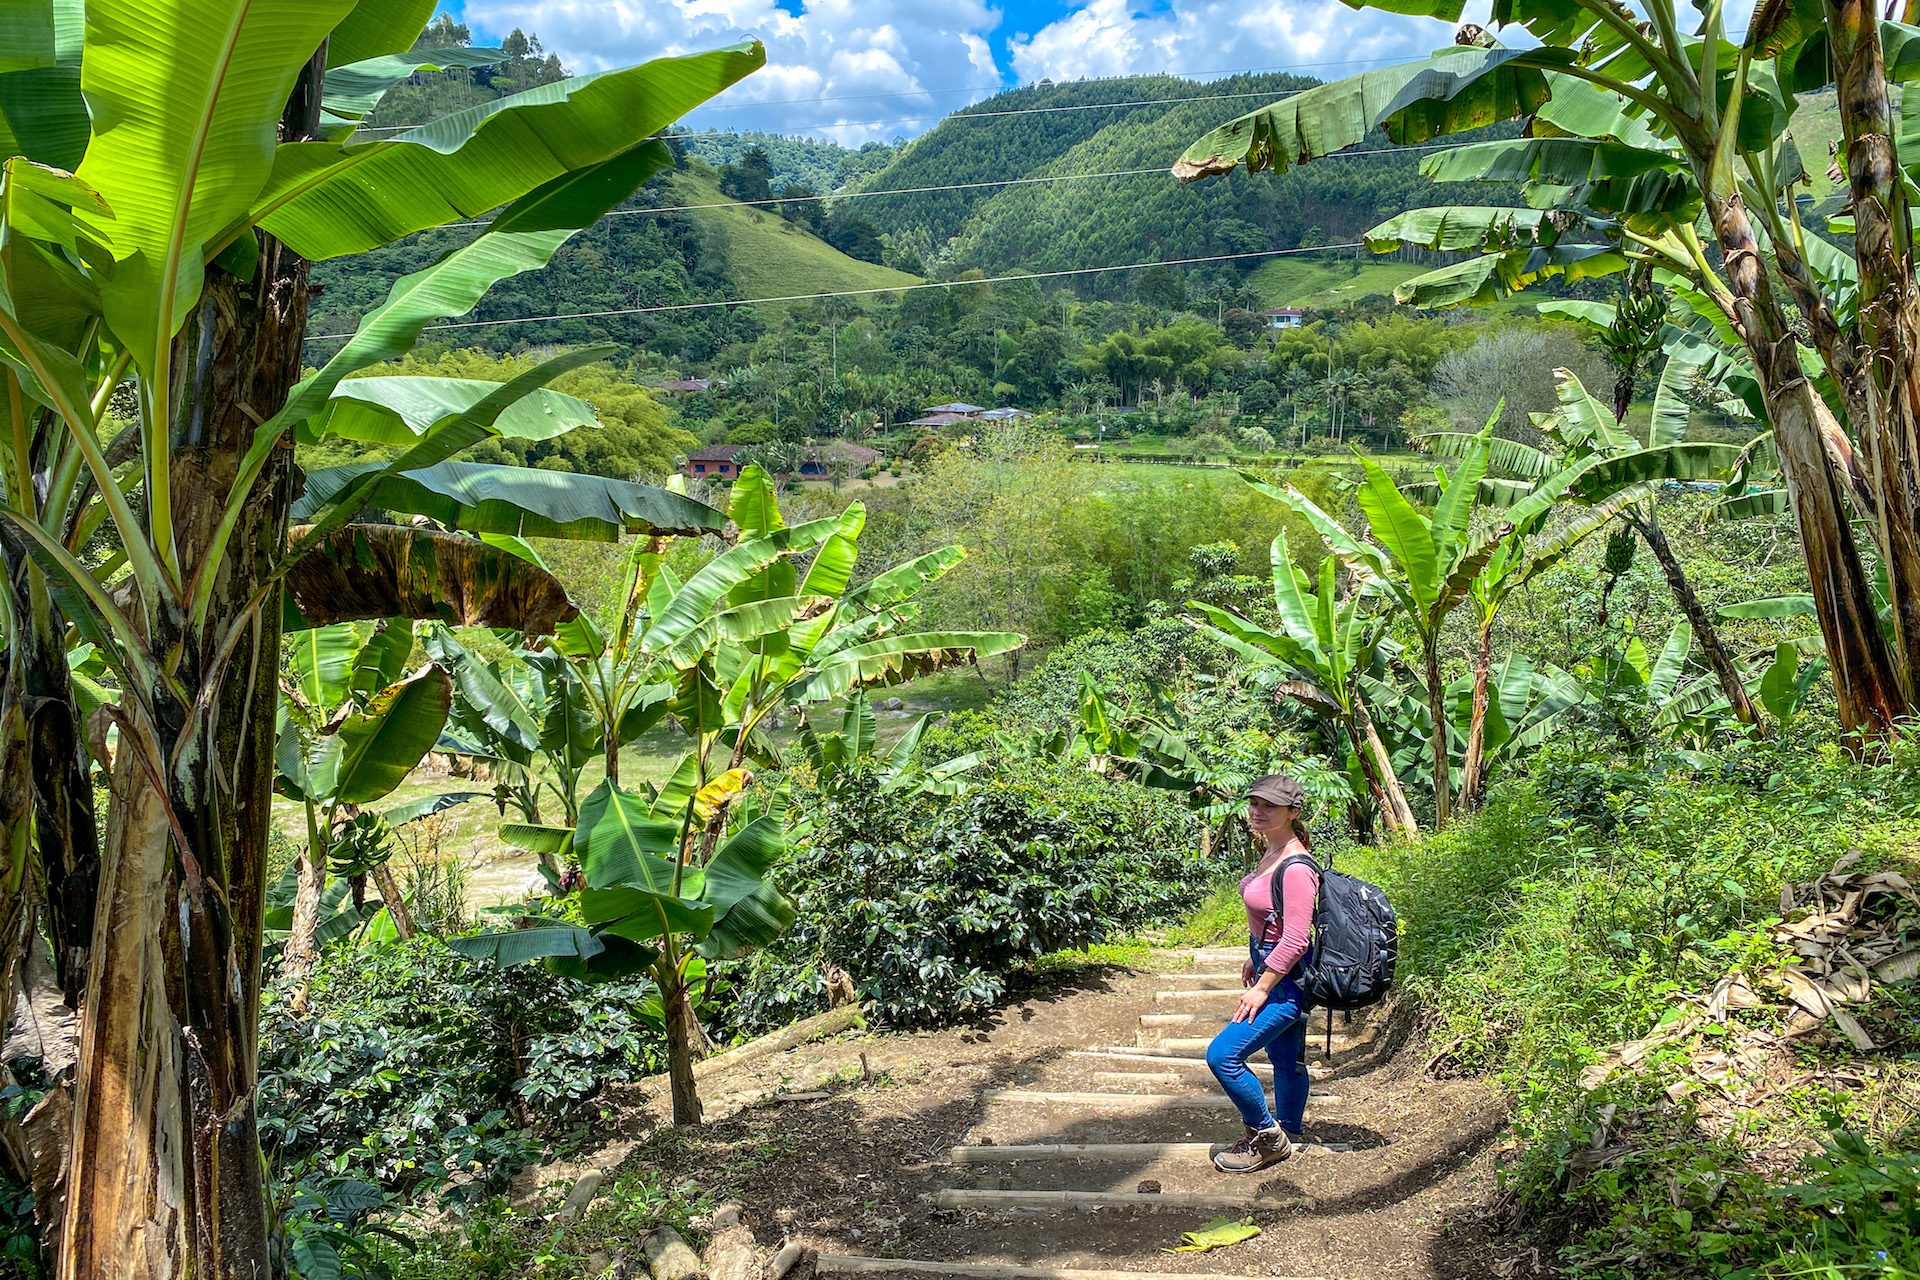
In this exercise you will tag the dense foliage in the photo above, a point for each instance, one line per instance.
(931, 904)
(411, 1067)
(1569, 915)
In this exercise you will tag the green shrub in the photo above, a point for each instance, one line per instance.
(930, 903)
(416, 1069)
(1567, 915)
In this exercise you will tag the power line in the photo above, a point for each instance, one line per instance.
(854, 293)
(1034, 84)
(952, 186)
(959, 114)
(964, 114)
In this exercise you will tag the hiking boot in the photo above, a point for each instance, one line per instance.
(1259, 1149)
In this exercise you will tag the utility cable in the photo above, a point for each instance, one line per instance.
(854, 293)
(951, 186)
(1052, 84)
(961, 113)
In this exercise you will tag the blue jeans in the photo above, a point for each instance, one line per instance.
(1280, 1028)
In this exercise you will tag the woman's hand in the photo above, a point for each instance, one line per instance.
(1252, 1000)
(1246, 972)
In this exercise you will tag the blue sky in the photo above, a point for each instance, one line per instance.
(864, 70)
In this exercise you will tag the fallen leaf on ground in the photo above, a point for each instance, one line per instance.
(1218, 1234)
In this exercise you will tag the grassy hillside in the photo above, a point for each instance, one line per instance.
(1327, 282)
(769, 256)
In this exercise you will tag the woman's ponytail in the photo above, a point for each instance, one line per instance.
(1305, 836)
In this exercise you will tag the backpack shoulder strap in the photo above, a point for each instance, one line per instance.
(1277, 891)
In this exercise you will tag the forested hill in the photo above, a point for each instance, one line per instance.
(1057, 225)
(812, 162)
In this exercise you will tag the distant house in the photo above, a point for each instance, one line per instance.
(1284, 318)
(684, 385)
(938, 420)
(722, 461)
(1003, 415)
(964, 410)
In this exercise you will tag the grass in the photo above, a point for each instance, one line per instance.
(772, 257)
(1221, 917)
(1320, 282)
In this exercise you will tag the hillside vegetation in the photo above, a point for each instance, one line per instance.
(770, 255)
(1093, 222)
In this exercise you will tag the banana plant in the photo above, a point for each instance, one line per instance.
(1515, 562)
(1326, 641)
(1524, 706)
(1599, 464)
(1424, 565)
(352, 727)
(830, 755)
(527, 716)
(652, 903)
(1658, 143)
(165, 179)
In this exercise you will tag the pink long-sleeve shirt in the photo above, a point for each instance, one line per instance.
(1290, 934)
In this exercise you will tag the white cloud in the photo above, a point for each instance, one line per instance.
(867, 57)
(1203, 38)
(862, 68)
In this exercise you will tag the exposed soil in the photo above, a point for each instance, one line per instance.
(855, 1172)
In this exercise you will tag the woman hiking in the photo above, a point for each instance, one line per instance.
(1272, 1014)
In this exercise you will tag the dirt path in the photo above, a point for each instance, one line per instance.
(888, 1164)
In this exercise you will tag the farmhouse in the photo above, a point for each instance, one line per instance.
(726, 461)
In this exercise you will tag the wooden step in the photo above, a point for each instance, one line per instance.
(1196, 1046)
(1184, 1019)
(1220, 959)
(1143, 1152)
(1141, 1079)
(1181, 1062)
(1141, 1051)
(1227, 981)
(839, 1264)
(1183, 1202)
(1128, 1101)
(1206, 993)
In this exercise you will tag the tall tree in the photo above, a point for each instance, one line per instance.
(1644, 128)
(160, 229)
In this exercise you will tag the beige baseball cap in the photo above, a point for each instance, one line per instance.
(1278, 788)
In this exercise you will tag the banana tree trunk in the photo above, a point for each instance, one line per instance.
(164, 1174)
(678, 1012)
(1374, 789)
(1867, 684)
(310, 881)
(1889, 313)
(396, 904)
(1398, 812)
(1646, 523)
(1472, 783)
(1442, 758)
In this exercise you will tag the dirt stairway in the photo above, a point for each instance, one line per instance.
(1094, 1164)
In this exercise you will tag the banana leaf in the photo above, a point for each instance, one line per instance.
(375, 750)
(354, 89)
(480, 498)
(328, 199)
(398, 411)
(1454, 90)
(362, 571)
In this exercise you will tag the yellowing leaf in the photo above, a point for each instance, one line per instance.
(720, 791)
